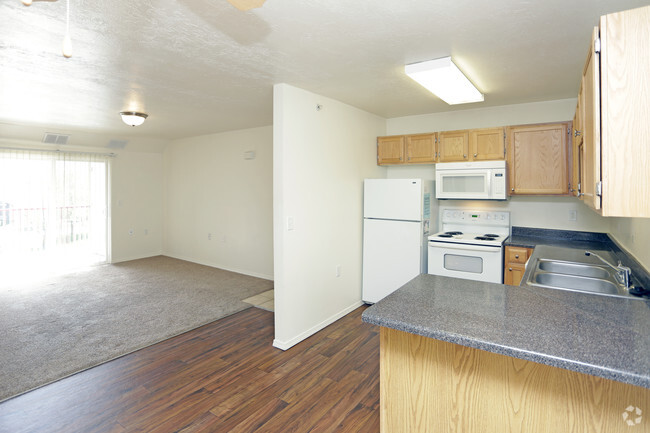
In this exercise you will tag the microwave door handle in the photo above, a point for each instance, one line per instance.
(464, 247)
(489, 183)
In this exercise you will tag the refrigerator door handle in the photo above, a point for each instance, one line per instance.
(388, 219)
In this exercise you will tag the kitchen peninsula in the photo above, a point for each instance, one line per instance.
(468, 356)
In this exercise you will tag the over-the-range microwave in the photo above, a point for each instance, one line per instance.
(477, 180)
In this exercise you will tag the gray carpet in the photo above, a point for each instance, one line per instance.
(69, 323)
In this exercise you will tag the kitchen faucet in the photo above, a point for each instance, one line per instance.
(622, 272)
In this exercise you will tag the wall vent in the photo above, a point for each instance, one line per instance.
(117, 144)
(51, 138)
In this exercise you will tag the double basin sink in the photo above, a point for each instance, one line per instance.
(568, 269)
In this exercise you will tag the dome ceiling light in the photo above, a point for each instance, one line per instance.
(133, 118)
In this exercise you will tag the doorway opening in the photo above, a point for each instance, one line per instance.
(53, 212)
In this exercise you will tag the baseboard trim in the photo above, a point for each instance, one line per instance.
(217, 265)
(284, 345)
(136, 257)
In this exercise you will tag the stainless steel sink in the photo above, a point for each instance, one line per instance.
(569, 275)
(577, 269)
(567, 268)
(573, 282)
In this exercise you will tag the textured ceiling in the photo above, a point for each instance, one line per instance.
(202, 66)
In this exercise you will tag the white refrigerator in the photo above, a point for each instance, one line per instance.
(397, 217)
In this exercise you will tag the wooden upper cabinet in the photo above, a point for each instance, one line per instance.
(590, 166)
(537, 159)
(406, 149)
(390, 150)
(487, 144)
(625, 113)
(421, 149)
(577, 148)
(453, 146)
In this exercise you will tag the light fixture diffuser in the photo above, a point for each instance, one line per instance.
(443, 78)
(133, 118)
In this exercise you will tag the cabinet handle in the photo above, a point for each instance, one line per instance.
(465, 156)
(516, 256)
(513, 190)
(576, 133)
(510, 269)
(475, 155)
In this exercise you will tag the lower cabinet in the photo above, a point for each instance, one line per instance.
(429, 385)
(515, 264)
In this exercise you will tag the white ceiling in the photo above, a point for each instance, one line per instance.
(202, 66)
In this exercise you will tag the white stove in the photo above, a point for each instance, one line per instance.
(469, 245)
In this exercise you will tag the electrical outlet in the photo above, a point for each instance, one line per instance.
(209, 236)
(338, 271)
(573, 215)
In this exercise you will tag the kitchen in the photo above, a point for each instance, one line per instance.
(570, 337)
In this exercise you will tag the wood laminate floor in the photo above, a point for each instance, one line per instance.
(222, 377)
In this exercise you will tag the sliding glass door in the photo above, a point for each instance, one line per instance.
(53, 210)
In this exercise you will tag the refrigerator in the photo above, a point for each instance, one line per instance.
(397, 217)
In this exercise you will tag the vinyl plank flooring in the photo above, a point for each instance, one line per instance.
(223, 377)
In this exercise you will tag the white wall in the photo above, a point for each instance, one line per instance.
(634, 235)
(519, 114)
(211, 190)
(136, 191)
(541, 212)
(320, 160)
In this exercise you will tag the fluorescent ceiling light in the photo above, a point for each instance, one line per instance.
(443, 78)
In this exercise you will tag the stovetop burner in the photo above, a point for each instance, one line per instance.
(472, 227)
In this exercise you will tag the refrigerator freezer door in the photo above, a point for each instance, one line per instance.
(395, 199)
(392, 252)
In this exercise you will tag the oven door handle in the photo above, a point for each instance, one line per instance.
(464, 247)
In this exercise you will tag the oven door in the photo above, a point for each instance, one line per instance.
(471, 262)
(463, 184)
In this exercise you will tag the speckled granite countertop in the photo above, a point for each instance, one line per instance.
(529, 237)
(591, 334)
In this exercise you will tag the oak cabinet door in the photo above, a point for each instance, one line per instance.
(487, 144)
(513, 273)
(515, 264)
(421, 149)
(537, 159)
(625, 113)
(390, 150)
(590, 175)
(454, 146)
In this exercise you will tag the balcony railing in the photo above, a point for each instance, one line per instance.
(33, 228)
